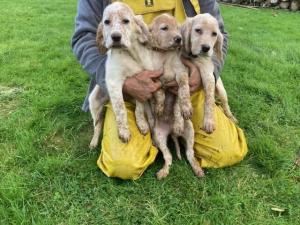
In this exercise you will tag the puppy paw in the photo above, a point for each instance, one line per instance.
(198, 172)
(143, 127)
(230, 116)
(187, 111)
(209, 125)
(94, 143)
(159, 110)
(233, 119)
(178, 129)
(162, 174)
(179, 156)
(124, 135)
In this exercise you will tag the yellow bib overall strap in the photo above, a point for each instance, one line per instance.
(152, 8)
(196, 5)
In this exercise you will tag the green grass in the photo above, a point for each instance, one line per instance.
(48, 175)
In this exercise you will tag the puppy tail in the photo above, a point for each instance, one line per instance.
(177, 146)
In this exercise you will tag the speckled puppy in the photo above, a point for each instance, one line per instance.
(123, 36)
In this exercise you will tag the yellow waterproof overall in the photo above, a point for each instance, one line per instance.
(224, 147)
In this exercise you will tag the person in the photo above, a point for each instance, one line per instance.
(224, 147)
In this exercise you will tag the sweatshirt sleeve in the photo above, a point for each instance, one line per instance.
(212, 7)
(89, 14)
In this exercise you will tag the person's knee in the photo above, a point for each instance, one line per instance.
(125, 169)
(125, 166)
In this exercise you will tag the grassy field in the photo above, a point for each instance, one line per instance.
(48, 175)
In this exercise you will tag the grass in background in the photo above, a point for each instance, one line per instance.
(48, 175)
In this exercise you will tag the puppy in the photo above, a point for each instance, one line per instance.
(201, 39)
(172, 113)
(123, 36)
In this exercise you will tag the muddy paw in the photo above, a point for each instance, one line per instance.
(124, 135)
(143, 127)
(159, 110)
(179, 155)
(187, 112)
(233, 119)
(178, 129)
(162, 174)
(209, 125)
(94, 143)
(198, 172)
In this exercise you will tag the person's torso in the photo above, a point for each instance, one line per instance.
(152, 8)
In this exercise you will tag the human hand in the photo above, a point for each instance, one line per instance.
(142, 85)
(194, 78)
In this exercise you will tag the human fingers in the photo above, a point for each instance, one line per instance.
(155, 73)
(173, 90)
(187, 62)
(172, 83)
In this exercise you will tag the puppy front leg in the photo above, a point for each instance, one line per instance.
(209, 88)
(149, 114)
(184, 95)
(206, 69)
(178, 122)
(221, 93)
(159, 96)
(118, 106)
(141, 120)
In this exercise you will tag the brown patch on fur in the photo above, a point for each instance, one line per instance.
(100, 39)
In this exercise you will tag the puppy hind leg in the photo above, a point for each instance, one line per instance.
(222, 95)
(97, 100)
(177, 146)
(160, 136)
(190, 154)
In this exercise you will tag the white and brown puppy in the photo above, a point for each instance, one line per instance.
(123, 36)
(201, 40)
(172, 113)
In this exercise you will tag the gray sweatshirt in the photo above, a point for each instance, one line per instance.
(89, 14)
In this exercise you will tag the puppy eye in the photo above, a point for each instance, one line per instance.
(214, 34)
(199, 31)
(106, 22)
(164, 28)
(125, 21)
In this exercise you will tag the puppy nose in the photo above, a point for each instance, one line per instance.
(205, 48)
(177, 39)
(116, 37)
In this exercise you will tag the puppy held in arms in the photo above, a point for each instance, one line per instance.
(172, 113)
(123, 36)
(203, 40)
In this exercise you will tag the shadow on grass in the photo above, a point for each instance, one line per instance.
(266, 156)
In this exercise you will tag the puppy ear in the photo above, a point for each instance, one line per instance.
(151, 37)
(142, 29)
(186, 29)
(100, 39)
(218, 46)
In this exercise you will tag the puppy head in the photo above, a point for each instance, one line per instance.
(165, 33)
(120, 27)
(202, 36)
